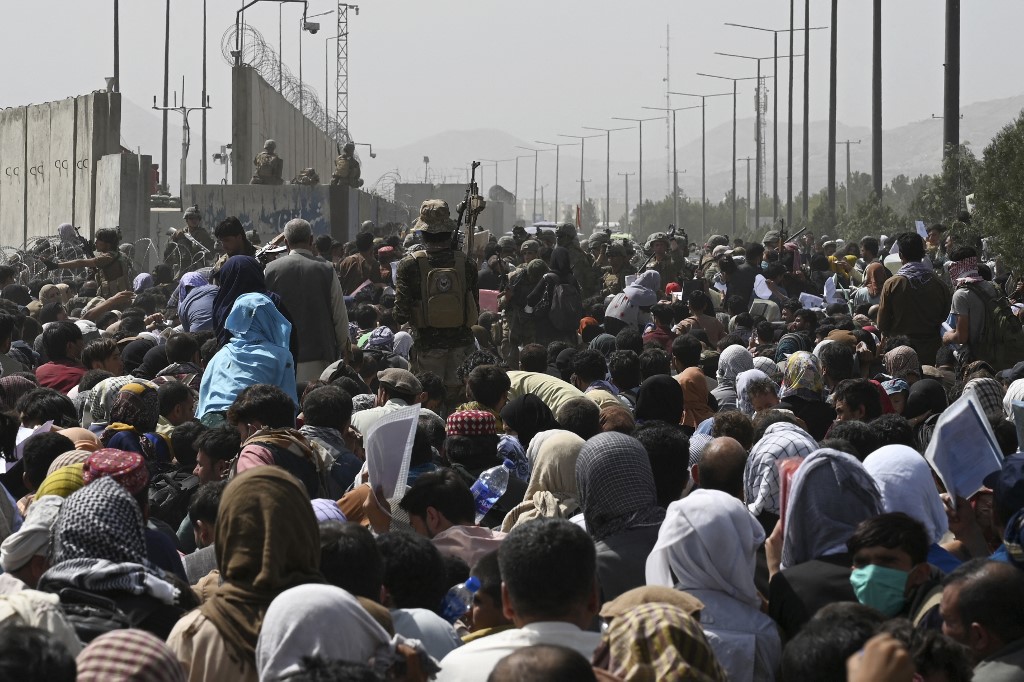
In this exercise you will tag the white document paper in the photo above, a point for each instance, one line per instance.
(23, 435)
(394, 270)
(921, 229)
(761, 288)
(963, 449)
(811, 302)
(720, 286)
(388, 447)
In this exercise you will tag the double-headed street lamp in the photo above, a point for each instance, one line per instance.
(734, 81)
(607, 166)
(583, 142)
(640, 165)
(703, 156)
(675, 171)
(558, 147)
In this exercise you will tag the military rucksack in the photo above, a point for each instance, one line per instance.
(446, 300)
(170, 494)
(566, 308)
(1002, 337)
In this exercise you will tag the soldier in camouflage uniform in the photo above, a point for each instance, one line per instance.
(519, 325)
(346, 168)
(109, 264)
(614, 278)
(664, 261)
(583, 269)
(269, 166)
(308, 177)
(181, 252)
(436, 292)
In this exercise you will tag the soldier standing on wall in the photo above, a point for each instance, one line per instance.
(269, 166)
(346, 168)
(189, 245)
(110, 265)
(436, 292)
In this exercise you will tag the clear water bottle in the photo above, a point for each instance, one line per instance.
(490, 486)
(458, 600)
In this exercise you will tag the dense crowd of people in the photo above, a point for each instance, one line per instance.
(720, 459)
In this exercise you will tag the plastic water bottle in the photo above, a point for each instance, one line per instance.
(458, 600)
(490, 486)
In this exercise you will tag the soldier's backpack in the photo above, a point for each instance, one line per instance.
(170, 494)
(1002, 336)
(566, 309)
(446, 300)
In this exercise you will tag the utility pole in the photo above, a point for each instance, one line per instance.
(558, 147)
(876, 99)
(608, 164)
(748, 159)
(670, 132)
(117, 46)
(951, 82)
(832, 70)
(848, 143)
(703, 155)
(496, 162)
(640, 166)
(167, 85)
(202, 165)
(807, 103)
(626, 175)
(674, 179)
(789, 123)
(186, 137)
(583, 148)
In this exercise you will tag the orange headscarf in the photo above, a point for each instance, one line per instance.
(875, 275)
(695, 397)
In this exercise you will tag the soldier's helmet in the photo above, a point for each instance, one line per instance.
(566, 230)
(270, 145)
(598, 238)
(657, 237)
(367, 226)
(435, 217)
(350, 146)
(193, 212)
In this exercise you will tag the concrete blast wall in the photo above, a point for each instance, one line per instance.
(259, 113)
(49, 156)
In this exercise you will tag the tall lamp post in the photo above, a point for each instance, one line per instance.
(703, 155)
(607, 164)
(495, 162)
(675, 167)
(734, 119)
(516, 190)
(558, 146)
(536, 153)
(640, 165)
(583, 145)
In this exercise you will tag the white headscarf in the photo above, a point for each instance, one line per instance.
(905, 481)
(829, 495)
(781, 440)
(33, 538)
(731, 363)
(707, 541)
(743, 381)
(316, 620)
(1014, 392)
(403, 342)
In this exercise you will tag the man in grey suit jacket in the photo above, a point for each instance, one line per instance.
(311, 292)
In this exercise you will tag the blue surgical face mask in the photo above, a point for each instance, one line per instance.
(880, 588)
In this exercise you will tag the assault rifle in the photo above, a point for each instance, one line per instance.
(473, 204)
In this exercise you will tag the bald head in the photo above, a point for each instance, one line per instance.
(721, 466)
(543, 663)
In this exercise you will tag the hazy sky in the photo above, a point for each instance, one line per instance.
(530, 68)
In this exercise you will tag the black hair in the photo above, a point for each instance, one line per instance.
(323, 244)
(663, 443)
(870, 244)
(181, 348)
(765, 332)
(807, 316)
(945, 356)
(39, 452)
(533, 358)
(206, 501)
(350, 559)
(554, 348)
(894, 530)
(857, 393)
(860, 435)
(207, 350)
(769, 417)
(686, 350)
(433, 386)
(414, 572)
(698, 301)
(267, 404)
(654, 361)
(56, 338)
(893, 429)
(328, 406)
(229, 227)
(488, 571)
(183, 440)
(543, 663)
(911, 246)
(819, 651)
(109, 235)
(91, 378)
(734, 424)
(661, 312)
(488, 385)
(991, 594)
(221, 443)
(589, 365)
(962, 253)
(40, 405)
(28, 653)
(580, 415)
(364, 240)
(629, 339)
(445, 491)
(475, 359)
(171, 394)
(624, 368)
(51, 311)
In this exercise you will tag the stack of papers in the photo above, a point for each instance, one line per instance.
(963, 449)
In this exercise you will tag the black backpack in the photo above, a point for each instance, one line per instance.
(566, 309)
(92, 615)
(170, 494)
(1002, 336)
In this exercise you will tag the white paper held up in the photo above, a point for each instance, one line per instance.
(388, 446)
(963, 449)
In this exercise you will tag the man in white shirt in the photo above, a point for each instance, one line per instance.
(397, 388)
(549, 590)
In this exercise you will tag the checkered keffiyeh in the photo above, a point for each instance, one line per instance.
(471, 423)
(616, 485)
(127, 468)
(761, 474)
(989, 393)
(128, 655)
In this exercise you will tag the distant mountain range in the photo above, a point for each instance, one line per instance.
(911, 149)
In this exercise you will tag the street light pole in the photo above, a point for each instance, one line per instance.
(495, 162)
(675, 168)
(583, 142)
(703, 154)
(747, 221)
(848, 143)
(608, 164)
(626, 175)
(558, 146)
(734, 119)
(536, 153)
(640, 165)
(516, 191)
